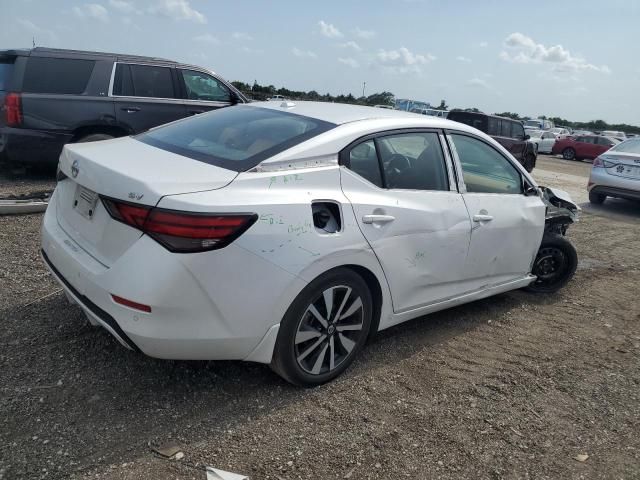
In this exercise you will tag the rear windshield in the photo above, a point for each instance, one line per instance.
(57, 75)
(236, 138)
(629, 146)
(5, 75)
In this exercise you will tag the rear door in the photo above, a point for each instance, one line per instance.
(146, 96)
(546, 144)
(586, 147)
(603, 144)
(202, 91)
(404, 198)
(507, 225)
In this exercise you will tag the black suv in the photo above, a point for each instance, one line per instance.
(506, 131)
(50, 97)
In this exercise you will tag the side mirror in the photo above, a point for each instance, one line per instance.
(527, 137)
(530, 191)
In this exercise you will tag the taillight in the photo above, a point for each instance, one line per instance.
(13, 109)
(182, 232)
(598, 163)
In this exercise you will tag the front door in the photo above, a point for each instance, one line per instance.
(407, 207)
(146, 96)
(507, 225)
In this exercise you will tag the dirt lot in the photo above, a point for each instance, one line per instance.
(515, 386)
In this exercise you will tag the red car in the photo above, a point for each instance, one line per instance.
(586, 146)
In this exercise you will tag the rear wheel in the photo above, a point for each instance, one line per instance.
(94, 137)
(596, 198)
(569, 154)
(324, 329)
(555, 264)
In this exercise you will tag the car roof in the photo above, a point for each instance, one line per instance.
(61, 52)
(341, 113)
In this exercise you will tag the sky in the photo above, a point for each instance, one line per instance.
(573, 59)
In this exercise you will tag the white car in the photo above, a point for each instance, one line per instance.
(287, 233)
(560, 132)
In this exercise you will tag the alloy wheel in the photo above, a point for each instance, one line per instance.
(329, 329)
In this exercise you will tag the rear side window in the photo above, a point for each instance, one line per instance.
(236, 138)
(143, 81)
(6, 69)
(494, 127)
(363, 160)
(57, 75)
(505, 129)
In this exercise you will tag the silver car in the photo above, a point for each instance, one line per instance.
(616, 173)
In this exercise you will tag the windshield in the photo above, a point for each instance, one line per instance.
(5, 75)
(630, 146)
(236, 138)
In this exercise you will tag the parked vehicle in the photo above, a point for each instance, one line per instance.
(583, 147)
(52, 97)
(276, 98)
(618, 135)
(560, 132)
(616, 173)
(508, 132)
(290, 233)
(539, 123)
(582, 132)
(388, 107)
(544, 140)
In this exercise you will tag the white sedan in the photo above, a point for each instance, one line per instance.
(544, 140)
(287, 233)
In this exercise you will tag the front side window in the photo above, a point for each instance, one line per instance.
(143, 81)
(604, 141)
(484, 170)
(201, 86)
(517, 130)
(237, 138)
(413, 161)
(57, 75)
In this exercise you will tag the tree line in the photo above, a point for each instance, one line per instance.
(261, 92)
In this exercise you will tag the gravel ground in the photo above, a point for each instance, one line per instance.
(515, 386)
(25, 185)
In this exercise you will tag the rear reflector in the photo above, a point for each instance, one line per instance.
(131, 304)
(182, 232)
(13, 109)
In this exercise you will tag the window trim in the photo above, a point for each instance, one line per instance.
(176, 90)
(458, 164)
(344, 159)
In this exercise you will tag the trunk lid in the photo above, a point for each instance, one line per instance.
(622, 164)
(123, 169)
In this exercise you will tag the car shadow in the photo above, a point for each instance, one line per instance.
(76, 386)
(615, 208)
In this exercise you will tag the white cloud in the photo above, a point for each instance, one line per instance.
(460, 58)
(403, 60)
(526, 50)
(351, 44)
(246, 49)
(328, 30)
(478, 82)
(241, 36)
(178, 10)
(349, 62)
(207, 38)
(303, 53)
(92, 10)
(483, 44)
(364, 34)
(123, 6)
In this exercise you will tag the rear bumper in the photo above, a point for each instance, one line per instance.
(604, 183)
(27, 147)
(192, 318)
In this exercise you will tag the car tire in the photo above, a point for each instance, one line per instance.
(569, 154)
(596, 198)
(555, 264)
(529, 162)
(94, 137)
(324, 329)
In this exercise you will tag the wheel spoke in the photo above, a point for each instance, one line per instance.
(343, 328)
(357, 304)
(332, 353)
(314, 311)
(328, 301)
(303, 336)
(304, 354)
(344, 302)
(320, 360)
(347, 343)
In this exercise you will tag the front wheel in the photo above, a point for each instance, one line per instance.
(324, 329)
(597, 198)
(555, 264)
(569, 154)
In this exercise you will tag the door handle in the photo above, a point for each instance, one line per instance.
(378, 219)
(482, 218)
(130, 109)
